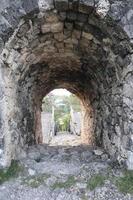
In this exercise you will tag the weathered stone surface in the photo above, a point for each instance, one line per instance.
(58, 176)
(98, 152)
(130, 160)
(46, 28)
(87, 36)
(30, 6)
(83, 46)
(57, 27)
(61, 5)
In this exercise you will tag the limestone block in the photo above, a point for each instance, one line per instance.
(130, 160)
(57, 27)
(79, 25)
(61, 5)
(62, 16)
(71, 16)
(34, 43)
(60, 47)
(68, 48)
(52, 18)
(45, 37)
(84, 43)
(68, 26)
(88, 36)
(45, 4)
(103, 7)
(46, 28)
(67, 33)
(76, 34)
(86, 6)
(48, 49)
(71, 41)
(81, 17)
(59, 36)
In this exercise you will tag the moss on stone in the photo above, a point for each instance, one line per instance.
(125, 183)
(11, 172)
(36, 181)
(96, 181)
(67, 184)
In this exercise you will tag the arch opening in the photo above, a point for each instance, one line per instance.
(73, 49)
(61, 118)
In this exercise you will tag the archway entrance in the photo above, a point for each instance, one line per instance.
(61, 118)
(77, 49)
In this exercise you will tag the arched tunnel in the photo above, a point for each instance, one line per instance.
(72, 46)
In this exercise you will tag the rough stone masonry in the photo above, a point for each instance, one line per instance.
(84, 46)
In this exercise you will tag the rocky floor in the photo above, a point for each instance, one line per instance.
(65, 139)
(65, 173)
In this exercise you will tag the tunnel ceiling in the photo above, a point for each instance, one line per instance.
(71, 46)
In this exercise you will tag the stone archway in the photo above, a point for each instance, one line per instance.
(75, 45)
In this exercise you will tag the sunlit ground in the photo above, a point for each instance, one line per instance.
(65, 139)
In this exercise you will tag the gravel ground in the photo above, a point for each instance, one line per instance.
(63, 173)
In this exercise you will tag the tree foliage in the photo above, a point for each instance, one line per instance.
(62, 106)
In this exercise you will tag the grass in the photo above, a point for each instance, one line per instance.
(125, 183)
(70, 182)
(96, 181)
(11, 172)
(36, 181)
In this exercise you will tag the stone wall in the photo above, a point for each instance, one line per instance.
(47, 127)
(75, 122)
(83, 46)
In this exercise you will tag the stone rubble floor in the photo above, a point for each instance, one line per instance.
(65, 139)
(63, 173)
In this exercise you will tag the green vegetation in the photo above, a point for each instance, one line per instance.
(11, 172)
(48, 102)
(125, 183)
(96, 181)
(74, 102)
(62, 105)
(36, 181)
(70, 182)
(63, 122)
